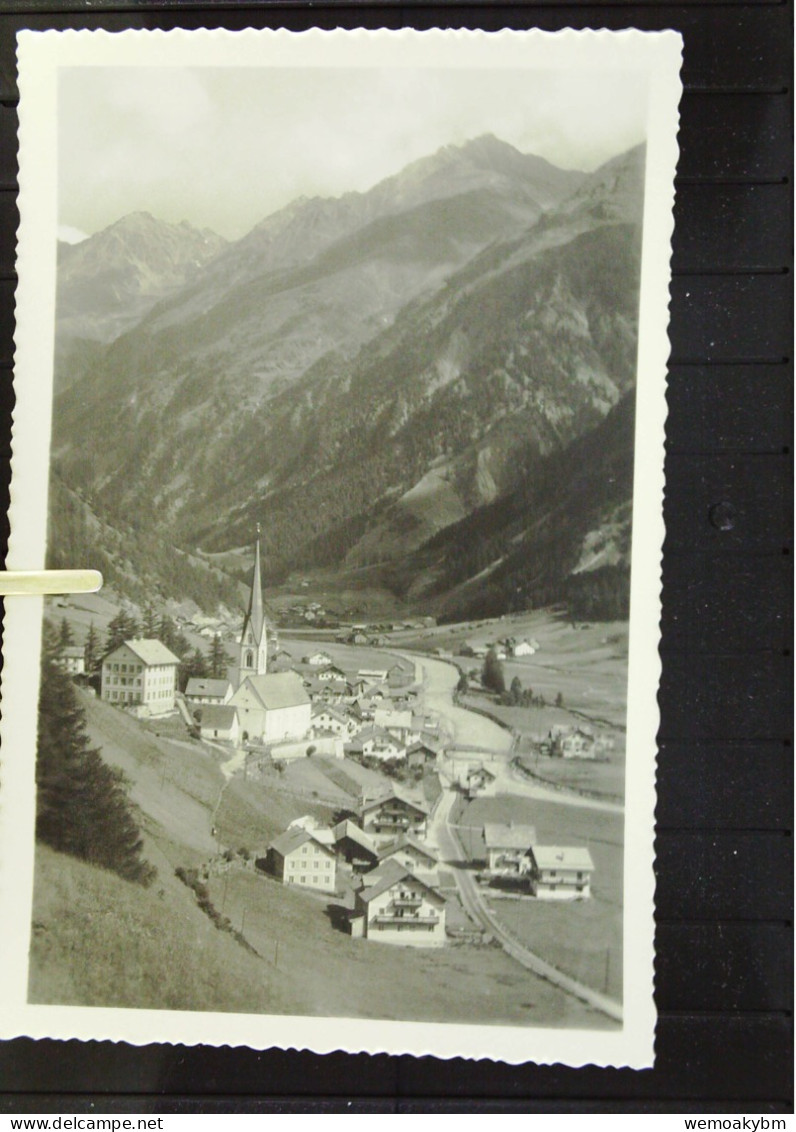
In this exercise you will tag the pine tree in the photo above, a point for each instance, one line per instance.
(167, 631)
(217, 659)
(116, 632)
(82, 805)
(492, 675)
(194, 665)
(149, 625)
(91, 648)
(65, 635)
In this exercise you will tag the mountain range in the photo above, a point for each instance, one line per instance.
(361, 374)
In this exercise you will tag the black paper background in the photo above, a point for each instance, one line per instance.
(725, 783)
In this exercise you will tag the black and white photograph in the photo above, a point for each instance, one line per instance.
(342, 358)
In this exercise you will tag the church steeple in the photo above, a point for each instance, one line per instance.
(254, 638)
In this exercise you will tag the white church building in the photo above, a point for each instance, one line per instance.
(271, 706)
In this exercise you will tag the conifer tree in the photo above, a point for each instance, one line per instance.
(167, 631)
(117, 631)
(82, 805)
(149, 625)
(65, 635)
(91, 648)
(492, 675)
(193, 665)
(217, 659)
(123, 627)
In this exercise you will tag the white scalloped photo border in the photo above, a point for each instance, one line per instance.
(40, 56)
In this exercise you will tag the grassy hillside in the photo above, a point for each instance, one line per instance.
(100, 941)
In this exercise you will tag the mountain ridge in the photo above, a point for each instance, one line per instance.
(384, 384)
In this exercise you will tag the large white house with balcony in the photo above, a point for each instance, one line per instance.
(388, 817)
(395, 906)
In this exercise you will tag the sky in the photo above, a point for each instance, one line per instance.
(225, 147)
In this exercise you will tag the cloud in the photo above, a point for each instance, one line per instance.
(225, 147)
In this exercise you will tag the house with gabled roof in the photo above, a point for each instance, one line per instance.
(72, 659)
(393, 814)
(397, 723)
(354, 846)
(410, 852)
(273, 707)
(508, 848)
(218, 721)
(376, 743)
(398, 907)
(319, 659)
(142, 673)
(328, 720)
(331, 673)
(205, 690)
(420, 754)
(300, 858)
(561, 872)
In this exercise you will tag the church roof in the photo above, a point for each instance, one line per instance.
(279, 690)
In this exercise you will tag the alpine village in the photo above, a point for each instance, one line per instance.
(343, 734)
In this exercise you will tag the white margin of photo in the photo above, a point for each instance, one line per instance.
(40, 54)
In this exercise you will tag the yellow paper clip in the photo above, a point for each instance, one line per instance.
(18, 583)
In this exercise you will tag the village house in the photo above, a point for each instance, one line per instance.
(397, 723)
(354, 846)
(574, 743)
(398, 907)
(328, 720)
(524, 648)
(142, 673)
(373, 675)
(386, 818)
(72, 659)
(480, 781)
(508, 848)
(320, 659)
(298, 857)
(410, 852)
(420, 755)
(561, 873)
(376, 743)
(200, 690)
(326, 692)
(218, 721)
(331, 672)
(272, 707)
(400, 677)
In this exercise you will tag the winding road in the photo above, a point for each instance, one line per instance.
(466, 727)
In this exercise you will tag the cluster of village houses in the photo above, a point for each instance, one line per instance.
(268, 700)
(397, 894)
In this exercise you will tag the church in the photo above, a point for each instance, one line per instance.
(271, 706)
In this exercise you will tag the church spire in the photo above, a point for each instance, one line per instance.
(255, 617)
(254, 638)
